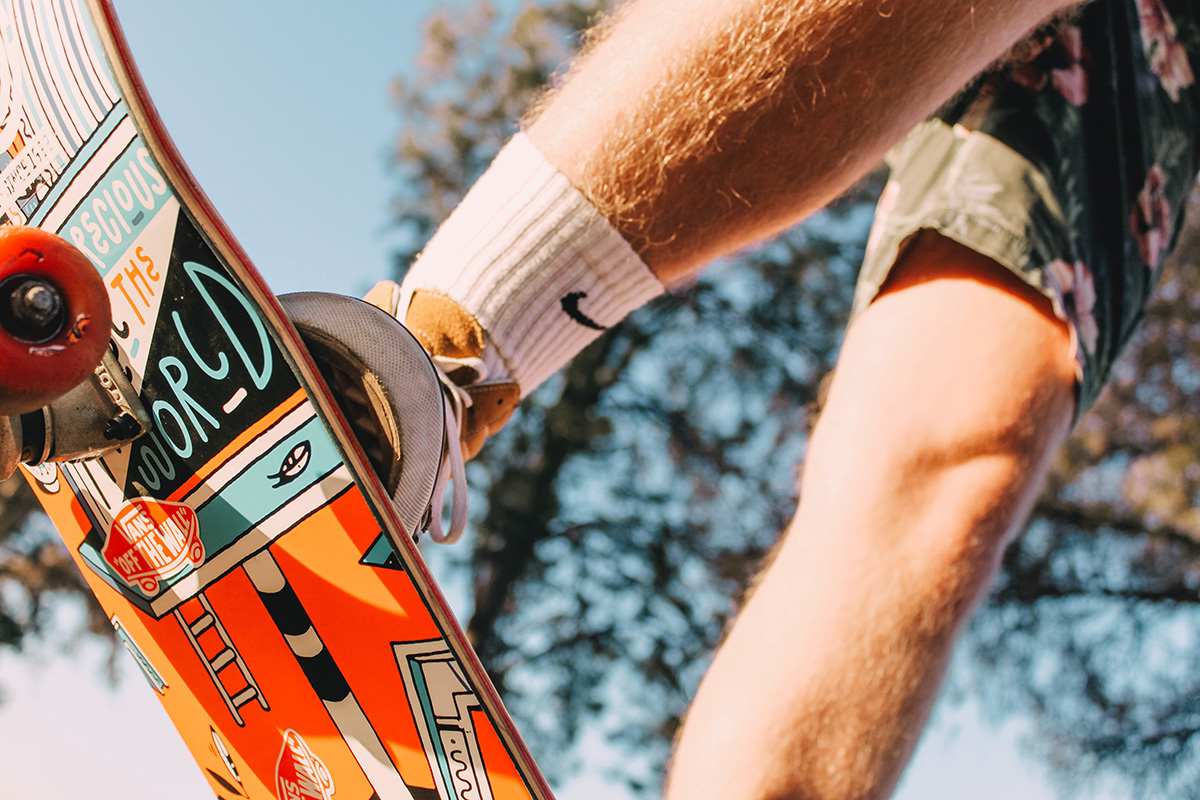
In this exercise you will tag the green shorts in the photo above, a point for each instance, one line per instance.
(1070, 166)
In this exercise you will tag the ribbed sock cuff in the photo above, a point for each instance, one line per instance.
(536, 263)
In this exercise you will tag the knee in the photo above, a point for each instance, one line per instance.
(928, 511)
(953, 391)
(933, 472)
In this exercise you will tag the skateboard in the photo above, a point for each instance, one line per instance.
(204, 475)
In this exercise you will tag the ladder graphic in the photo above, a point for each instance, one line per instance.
(219, 664)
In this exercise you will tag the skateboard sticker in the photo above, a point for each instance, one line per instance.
(299, 774)
(151, 541)
(237, 499)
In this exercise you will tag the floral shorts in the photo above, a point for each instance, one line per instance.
(1070, 166)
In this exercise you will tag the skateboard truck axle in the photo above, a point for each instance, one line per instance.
(31, 308)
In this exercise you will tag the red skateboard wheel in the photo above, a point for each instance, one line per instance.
(54, 318)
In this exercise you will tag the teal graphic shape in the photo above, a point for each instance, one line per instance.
(381, 554)
(418, 676)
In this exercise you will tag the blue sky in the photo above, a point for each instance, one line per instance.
(281, 110)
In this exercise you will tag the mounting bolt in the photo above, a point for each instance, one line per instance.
(123, 427)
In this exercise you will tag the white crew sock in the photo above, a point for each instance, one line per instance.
(535, 263)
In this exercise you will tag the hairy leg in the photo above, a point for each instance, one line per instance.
(953, 391)
(700, 126)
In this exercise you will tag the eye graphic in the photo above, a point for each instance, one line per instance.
(293, 465)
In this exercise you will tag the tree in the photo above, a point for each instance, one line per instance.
(1092, 629)
(34, 568)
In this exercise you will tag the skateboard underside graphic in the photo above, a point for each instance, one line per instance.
(243, 551)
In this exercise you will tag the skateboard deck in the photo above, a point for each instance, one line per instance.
(243, 549)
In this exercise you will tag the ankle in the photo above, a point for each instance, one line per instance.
(534, 265)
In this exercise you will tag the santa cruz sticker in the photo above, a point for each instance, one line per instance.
(299, 774)
(151, 541)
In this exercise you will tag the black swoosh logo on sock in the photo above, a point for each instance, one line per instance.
(570, 304)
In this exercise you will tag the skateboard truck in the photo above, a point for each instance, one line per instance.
(97, 416)
(63, 394)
